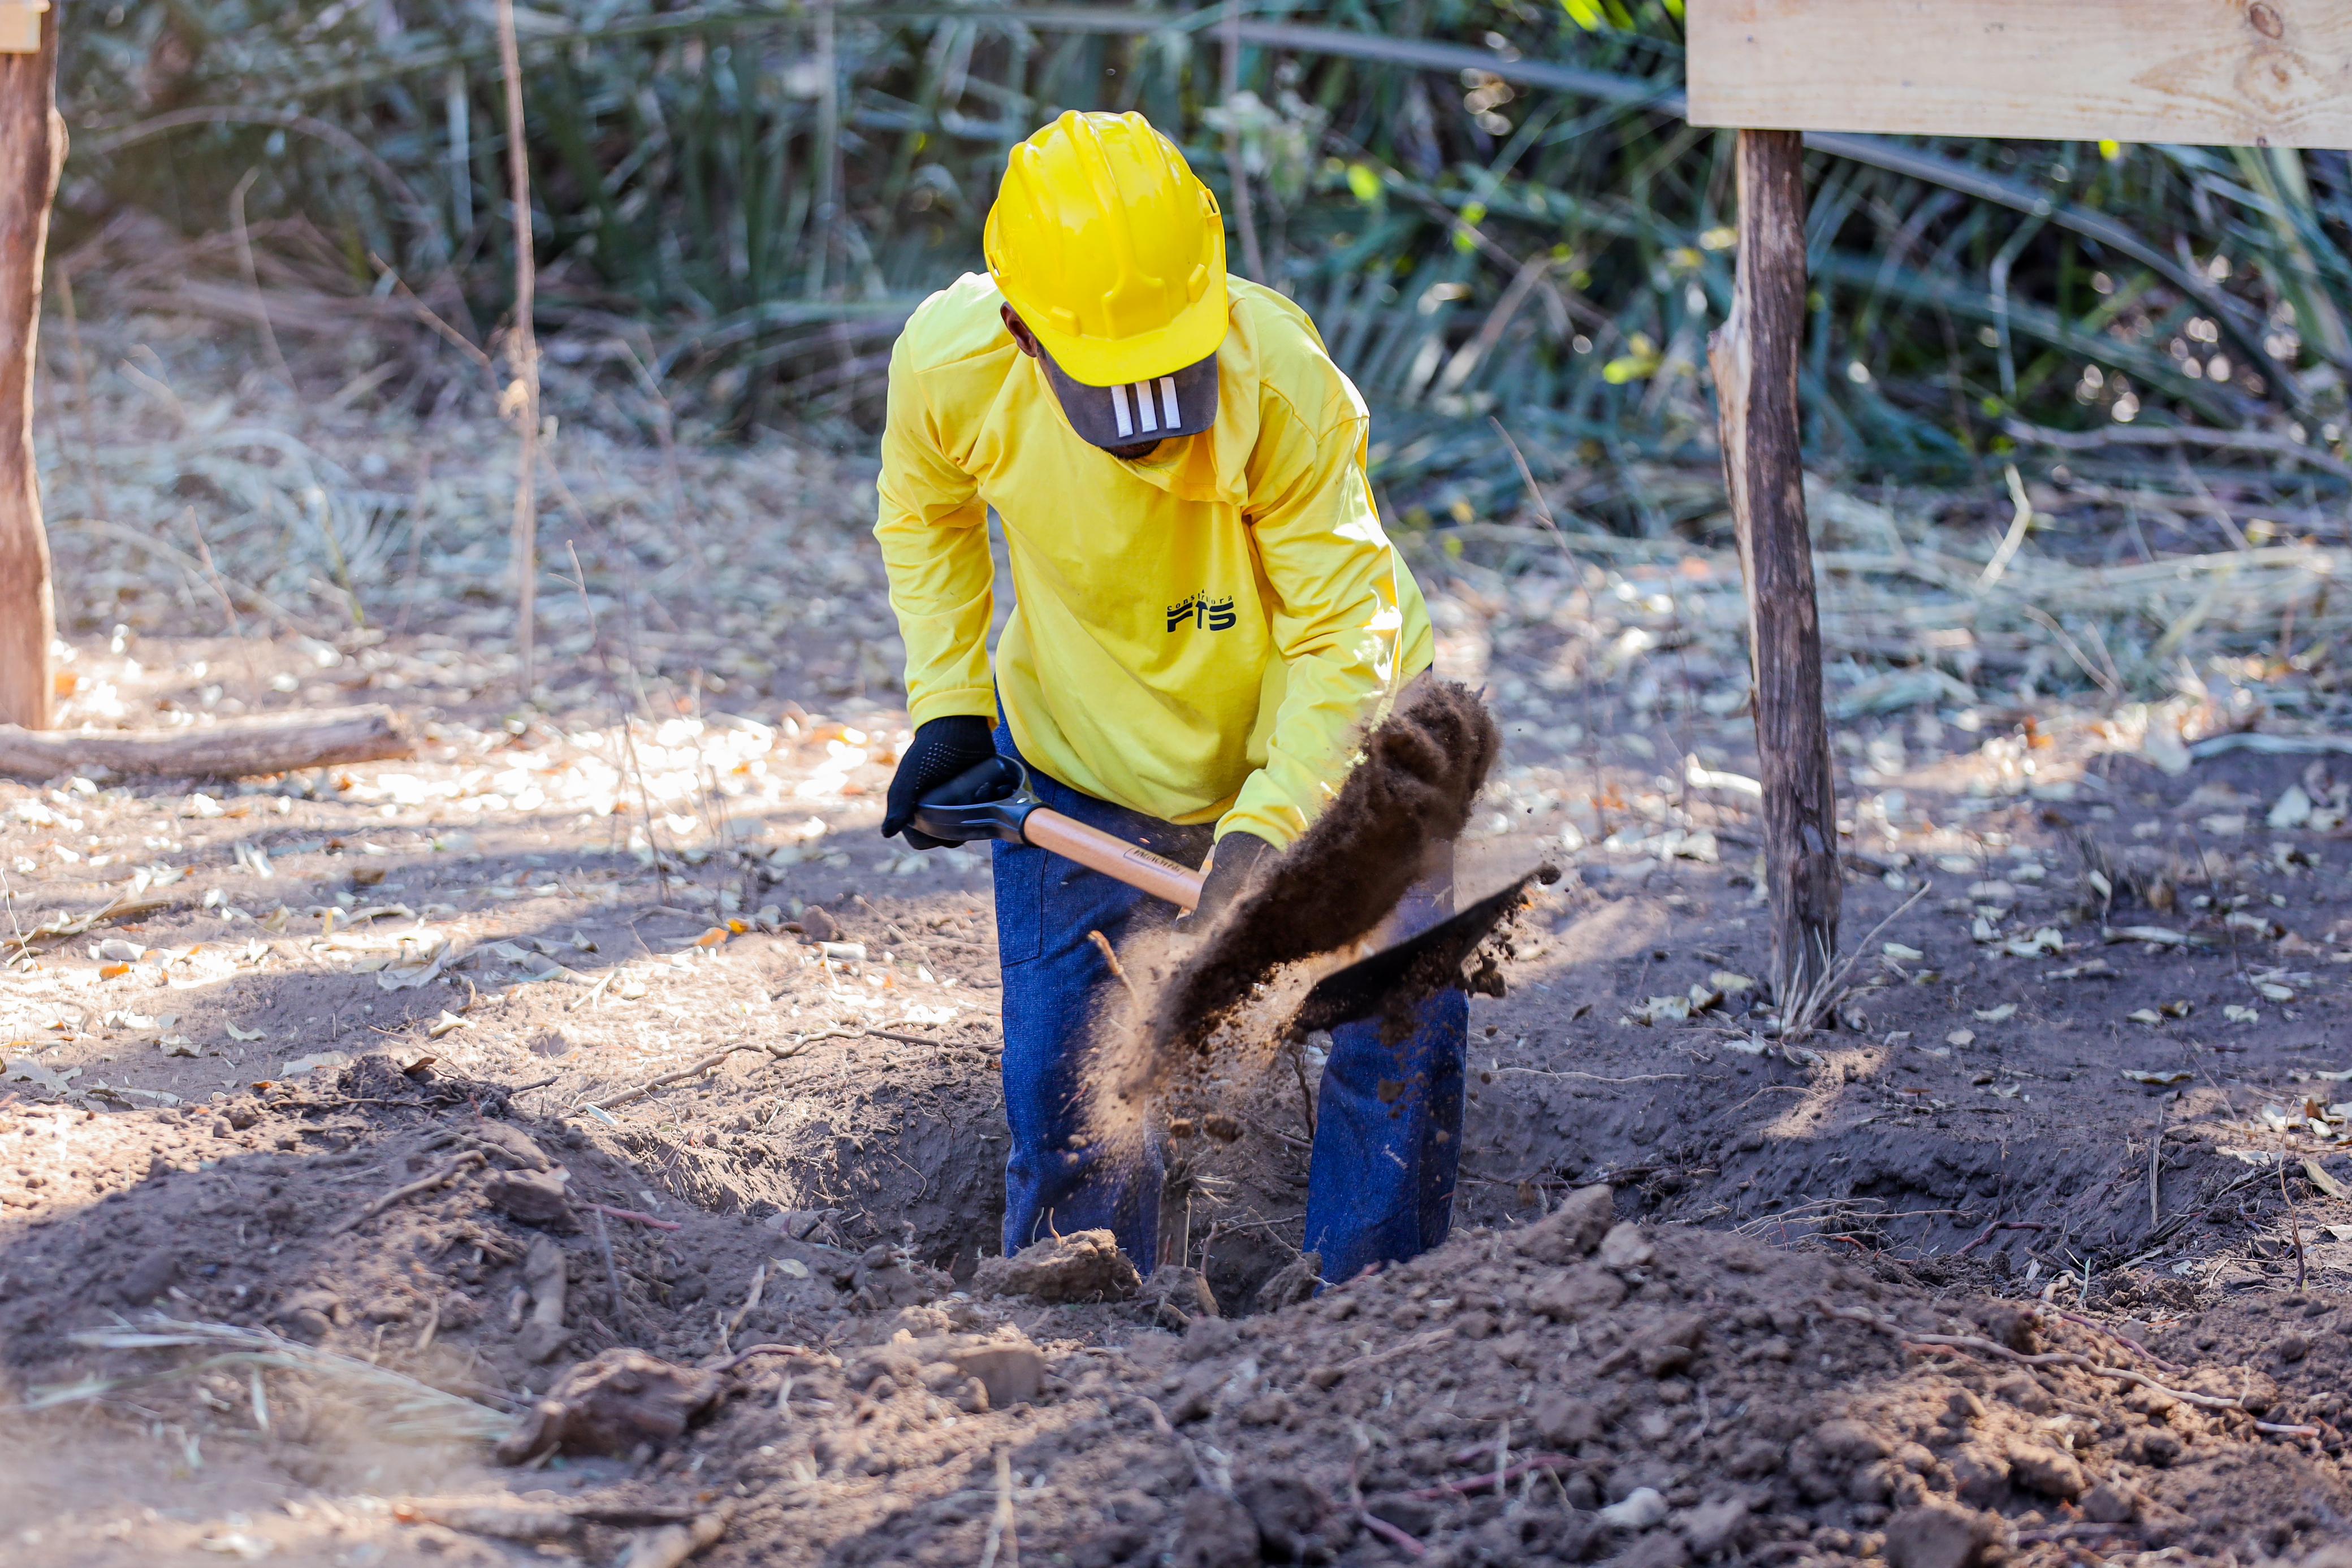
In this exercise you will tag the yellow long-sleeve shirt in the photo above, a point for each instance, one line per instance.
(1197, 635)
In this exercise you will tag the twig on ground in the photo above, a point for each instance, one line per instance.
(424, 1184)
(2154, 1155)
(631, 1214)
(698, 1069)
(1497, 1480)
(2294, 1221)
(1597, 1078)
(58, 928)
(1388, 1532)
(741, 1356)
(1985, 1235)
(2124, 1340)
(750, 1302)
(1001, 1533)
(901, 1039)
(1981, 1346)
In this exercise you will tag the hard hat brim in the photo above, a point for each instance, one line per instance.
(1193, 336)
(1128, 414)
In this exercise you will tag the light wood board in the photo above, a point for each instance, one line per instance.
(2240, 72)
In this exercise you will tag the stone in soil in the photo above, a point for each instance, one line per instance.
(611, 1404)
(1083, 1266)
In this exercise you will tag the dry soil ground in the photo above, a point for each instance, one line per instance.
(625, 979)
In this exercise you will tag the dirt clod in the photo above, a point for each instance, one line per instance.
(1936, 1535)
(1013, 1374)
(1083, 1266)
(149, 1277)
(611, 1404)
(1294, 1282)
(2046, 1472)
(1573, 1229)
(1174, 1295)
(1218, 1532)
(532, 1196)
(2110, 1502)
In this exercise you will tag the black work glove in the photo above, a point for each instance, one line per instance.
(1237, 857)
(941, 749)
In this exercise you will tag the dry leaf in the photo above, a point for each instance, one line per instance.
(2144, 1015)
(32, 1072)
(2180, 1010)
(443, 1024)
(237, 1033)
(2045, 940)
(2000, 1014)
(2323, 1182)
(1661, 1009)
(1900, 953)
(2291, 810)
(311, 1063)
(1730, 984)
(2155, 934)
(2237, 1014)
(2162, 1080)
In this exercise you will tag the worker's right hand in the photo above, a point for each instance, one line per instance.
(941, 749)
(1232, 863)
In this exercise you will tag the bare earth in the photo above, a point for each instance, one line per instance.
(626, 973)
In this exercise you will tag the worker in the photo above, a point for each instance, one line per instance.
(1206, 614)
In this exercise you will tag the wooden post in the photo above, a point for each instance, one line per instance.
(523, 351)
(32, 152)
(1755, 357)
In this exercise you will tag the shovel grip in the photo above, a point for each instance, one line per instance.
(1114, 857)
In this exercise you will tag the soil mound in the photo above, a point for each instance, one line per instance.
(1579, 1390)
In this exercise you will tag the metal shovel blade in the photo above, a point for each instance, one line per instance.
(1430, 961)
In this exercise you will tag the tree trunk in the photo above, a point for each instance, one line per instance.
(1755, 357)
(233, 748)
(32, 151)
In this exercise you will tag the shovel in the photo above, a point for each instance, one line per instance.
(994, 801)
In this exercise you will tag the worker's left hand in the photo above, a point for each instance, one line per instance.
(1232, 863)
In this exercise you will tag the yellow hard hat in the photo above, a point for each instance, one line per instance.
(1110, 249)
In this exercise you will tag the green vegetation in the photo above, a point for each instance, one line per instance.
(1491, 208)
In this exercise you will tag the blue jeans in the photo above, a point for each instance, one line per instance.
(1388, 1117)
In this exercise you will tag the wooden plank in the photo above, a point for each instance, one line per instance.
(2241, 72)
(1755, 355)
(32, 151)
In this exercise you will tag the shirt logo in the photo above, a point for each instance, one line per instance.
(1201, 611)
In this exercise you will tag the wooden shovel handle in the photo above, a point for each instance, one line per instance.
(1114, 857)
